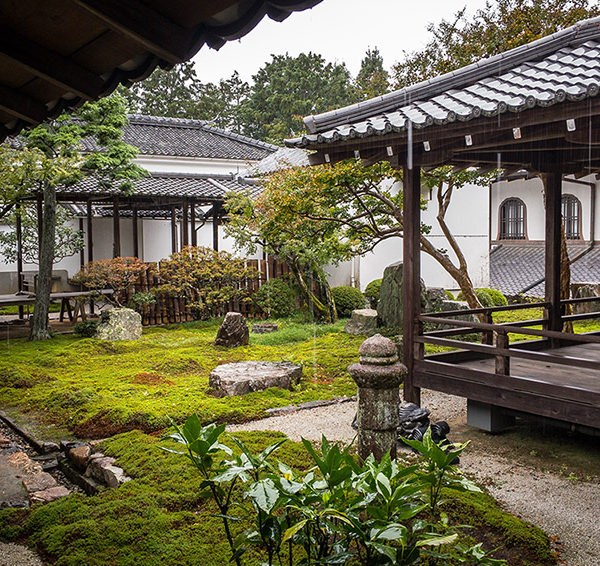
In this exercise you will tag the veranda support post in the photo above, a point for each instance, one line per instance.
(553, 236)
(116, 229)
(411, 287)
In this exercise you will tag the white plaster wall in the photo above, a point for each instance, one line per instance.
(530, 191)
(167, 164)
(467, 218)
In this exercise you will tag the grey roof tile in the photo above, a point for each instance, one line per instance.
(564, 66)
(180, 137)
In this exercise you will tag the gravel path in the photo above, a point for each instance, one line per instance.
(17, 555)
(564, 508)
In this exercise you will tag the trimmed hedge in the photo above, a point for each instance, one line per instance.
(487, 297)
(347, 299)
(372, 292)
(276, 298)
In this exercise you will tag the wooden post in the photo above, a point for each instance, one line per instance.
(487, 336)
(173, 230)
(553, 236)
(185, 228)
(193, 224)
(82, 250)
(90, 241)
(411, 277)
(116, 229)
(136, 243)
(19, 257)
(216, 217)
(502, 360)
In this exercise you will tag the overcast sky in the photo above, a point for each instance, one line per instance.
(340, 30)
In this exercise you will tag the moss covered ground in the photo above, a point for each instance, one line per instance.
(97, 389)
(158, 518)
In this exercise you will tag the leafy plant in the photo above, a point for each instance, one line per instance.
(118, 274)
(487, 297)
(208, 279)
(340, 511)
(449, 295)
(347, 299)
(139, 300)
(276, 298)
(372, 292)
(86, 328)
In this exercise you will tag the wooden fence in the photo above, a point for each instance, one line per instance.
(169, 309)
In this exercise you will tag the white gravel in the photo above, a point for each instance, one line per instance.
(563, 508)
(17, 555)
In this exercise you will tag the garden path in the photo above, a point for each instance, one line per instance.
(536, 487)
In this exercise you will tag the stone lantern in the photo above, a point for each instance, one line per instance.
(378, 376)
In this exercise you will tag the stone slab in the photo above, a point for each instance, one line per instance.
(362, 322)
(245, 377)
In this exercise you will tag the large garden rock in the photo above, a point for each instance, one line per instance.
(233, 332)
(584, 290)
(434, 298)
(363, 321)
(119, 324)
(244, 377)
(389, 306)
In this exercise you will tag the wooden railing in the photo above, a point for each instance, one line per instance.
(495, 339)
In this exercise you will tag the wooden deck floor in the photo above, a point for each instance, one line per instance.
(557, 374)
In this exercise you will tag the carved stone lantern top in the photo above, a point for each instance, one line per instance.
(378, 350)
(378, 367)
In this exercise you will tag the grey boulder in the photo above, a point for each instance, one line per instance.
(245, 377)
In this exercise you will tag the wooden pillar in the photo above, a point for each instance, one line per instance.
(411, 277)
(90, 239)
(553, 236)
(216, 219)
(116, 229)
(82, 250)
(173, 230)
(19, 256)
(193, 224)
(134, 226)
(185, 228)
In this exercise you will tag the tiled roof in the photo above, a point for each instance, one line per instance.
(564, 66)
(171, 185)
(283, 158)
(180, 137)
(514, 267)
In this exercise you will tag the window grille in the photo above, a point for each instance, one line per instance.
(571, 213)
(512, 220)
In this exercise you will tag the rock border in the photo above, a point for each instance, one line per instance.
(278, 411)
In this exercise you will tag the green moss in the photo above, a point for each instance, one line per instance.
(480, 510)
(98, 388)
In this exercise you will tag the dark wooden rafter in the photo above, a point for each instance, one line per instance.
(50, 66)
(22, 106)
(140, 23)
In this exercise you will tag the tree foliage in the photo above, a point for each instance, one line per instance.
(207, 278)
(288, 88)
(372, 79)
(501, 25)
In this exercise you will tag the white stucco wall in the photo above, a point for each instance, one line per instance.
(530, 191)
(467, 217)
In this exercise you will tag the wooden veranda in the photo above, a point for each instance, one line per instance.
(535, 108)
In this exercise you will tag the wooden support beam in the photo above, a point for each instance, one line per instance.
(185, 228)
(82, 250)
(553, 190)
(49, 65)
(116, 229)
(134, 226)
(411, 287)
(216, 220)
(90, 239)
(21, 106)
(173, 229)
(193, 224)
(140, 23)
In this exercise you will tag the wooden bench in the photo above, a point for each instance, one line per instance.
(79, 299)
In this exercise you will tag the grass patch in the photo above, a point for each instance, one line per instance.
(98, 388)
(158, 517)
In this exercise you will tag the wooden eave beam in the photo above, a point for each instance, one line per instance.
(142, 24)
(22, 106)
(50, 66)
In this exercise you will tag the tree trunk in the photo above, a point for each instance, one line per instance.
(39, 324)
(321, 310)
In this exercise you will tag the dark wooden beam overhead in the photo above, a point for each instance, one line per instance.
(48, 65)
(139, 22)
(21, 106)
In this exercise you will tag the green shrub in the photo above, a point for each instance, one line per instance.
(347, 299)
(449, 295)
(482, 295)
(497, 297)
(276, 298)
(86, 328)
(372, 292)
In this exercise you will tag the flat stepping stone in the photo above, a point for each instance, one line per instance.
(245, 377)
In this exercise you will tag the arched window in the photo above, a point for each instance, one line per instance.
(571, 212)
(512, 219)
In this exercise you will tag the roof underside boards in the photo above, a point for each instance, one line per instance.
(55, 54)
(172, 186)
(535, 87)
(179, 137)
(514, 267)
